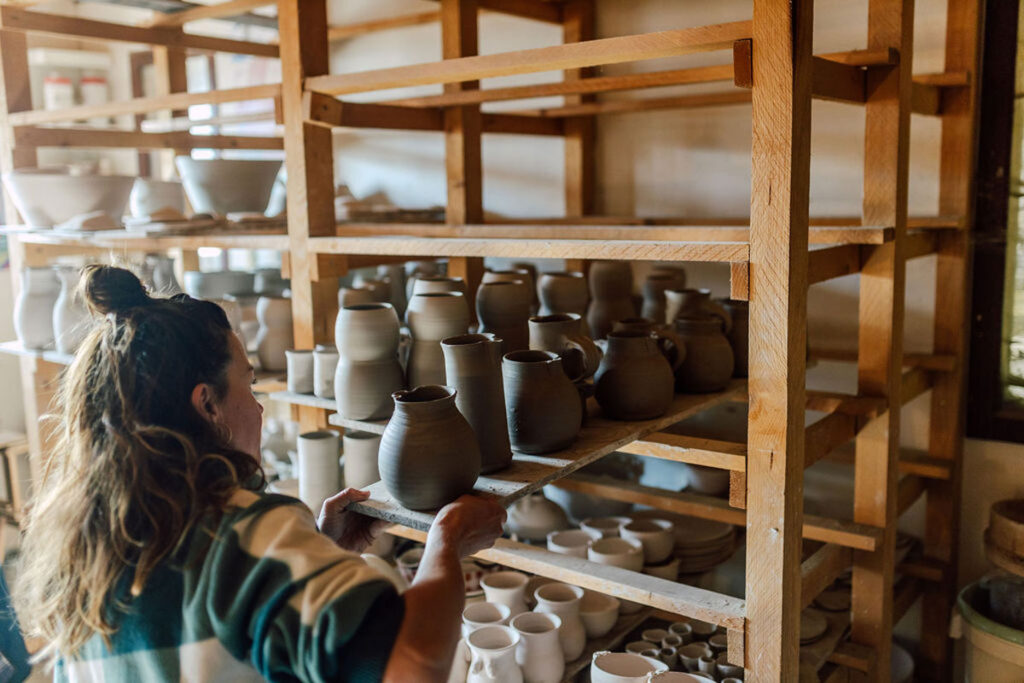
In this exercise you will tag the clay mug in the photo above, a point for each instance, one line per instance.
(739, 334)
(708, 365)
(634, 381)
(657, 536)
(694, 303)
(503, 308)
(493, 652)
(573, 542)
(506, 588)
(669, 342)
(563, 600)
(539, 654)
(542, 405)
(561, 333)
(599, 613)
(654, 288)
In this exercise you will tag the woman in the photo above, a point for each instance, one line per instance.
(150, 554)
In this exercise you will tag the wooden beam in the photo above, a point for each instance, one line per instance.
(828, 434)
(833, 80)
(833, 262)
(883, 56)
(821, 569)
(739, 281)
(692, 450)
(926, 99)
(336, 33)
(221, 10)
(913, 383)
(715, 99)
(513, 124)
(98, 138)
(580, 131)
(910, 488)
(462, 124)
(539, 10)
(15, 19)
(837, 402)
(928, 361)
(743, 63)
(907, 593)
(559, 57)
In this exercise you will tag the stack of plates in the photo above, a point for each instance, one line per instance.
(813, 626)
(701, 545)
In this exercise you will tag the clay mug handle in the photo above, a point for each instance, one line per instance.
(718, 310)
(671, 346)
(589, 351)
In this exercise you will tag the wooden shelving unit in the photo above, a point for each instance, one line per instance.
(774, 257)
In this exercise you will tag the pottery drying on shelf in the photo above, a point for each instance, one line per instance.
(431, 318)
(71, 321)
(611, 295)
(634, 381)
(216, 284)
(33, 311)
(695, 304)
(319, 472)
(480, 614)
(503, 309)
(417, 269)
(604, 527)
(543, 406)
(368, 370)
(572, 542)
(325, 366)
(708, 364)
(428, 453)
(473, 368)
(162, 280)
(394, 274)
(654, 288)
(669, 342)
(564, 292)
(526, 277)
(33, 192)
(300, 370)
(617, 552)
(561, 333)
(563, 600)
(655, 535)
(533, 517)
(539, 653)
(149, 196)
(739, 334)
(623, 667)
(435, 284)
(493, 651)
(379, 288)
(506, 588)
(360, 451)
(351, 296)
(268, 282)
(276, 334)
(598, 612)
(222, 186)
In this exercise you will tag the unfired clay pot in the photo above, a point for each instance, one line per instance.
(739, 334)
(493, 651)
(539, 654)
(223, 186)
(432, 284)
(709, 362)
(503, 309)
(70, 316)
(543, 406)
(655, 286)
(473, 368)
(563, 292)
(360, 451)
(634, 382)
(428, 453)
(669, 342)
(350, 296)
(561, 333)
(695, 303)
(563, 600)
(164, 280)
(521, 275)
(48, 197)
(368, 370)
(431, 318)
(275, 335)
(149, 196)
(417, 269)
(394, 273)
(611, 295)
(379, 288)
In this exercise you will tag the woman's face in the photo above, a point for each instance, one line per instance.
(239, 411)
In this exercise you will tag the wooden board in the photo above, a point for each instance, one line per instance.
(128, 241)
(220, 10)
(95, 138)
(304, 400)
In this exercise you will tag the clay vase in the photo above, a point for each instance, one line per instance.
(33, 312)
(417, 269)
(368, 370)
(394, 273)
(493, 651)
(694, 303)
(275, 335)
(473, 367)
(709, 362)
(655, 286)
(506, 588)
(325, 366)
(539, 654)
(669, 342)
(520, 275)
(611, 295)
(431, 318)
(360, 450)
(503, 309)
(318, 471)
(70, 316)
(531, 269)
(351, 296)
(542, 405)
(561, 333)
(300, 370)
(428, 453)
(563, 600)
(634, 382)
(739, 334)
(432, 284)
(380, 289)
(162, 275)
(564, 292)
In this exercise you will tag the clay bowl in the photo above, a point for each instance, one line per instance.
(570, 542)
(223, 186)
(598, 612)
(34, 191)
(149, 196)
(656, 535)
(607, 527)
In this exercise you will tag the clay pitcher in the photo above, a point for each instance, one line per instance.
(694, 303)
(428, 453)
(709, 361)
(561, 333)
(611, 295)
(431, 318)
(634, 382)
(33, 312)
(503, 308)
(669, 342)
(655, 286)
(739, 334)
(564, 292)
(473, 368)
(542, 405)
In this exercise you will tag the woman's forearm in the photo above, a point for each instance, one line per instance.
(429, 632)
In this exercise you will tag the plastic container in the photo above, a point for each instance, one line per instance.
(58, 92)
(993, 653)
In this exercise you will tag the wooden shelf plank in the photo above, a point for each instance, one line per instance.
(928, 361)
(559, 57)
(907, 592)
(724, 455)
(15, 348)
(220, 10)
(304, 400)
(341, 32)
(828, 434)
(822, 568)
(37, 136)
(142, 242)
(833, 262)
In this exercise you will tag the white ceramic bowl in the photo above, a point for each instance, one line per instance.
(599, 612)
(148, 196)
(617, 552)
(607, 527)
(48, 197)
(656, 535)
(618, 667)
(572, 542)
(223, 186)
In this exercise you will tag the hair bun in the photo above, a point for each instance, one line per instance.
(107, 289)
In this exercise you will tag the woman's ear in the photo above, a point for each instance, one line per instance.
(202, 401)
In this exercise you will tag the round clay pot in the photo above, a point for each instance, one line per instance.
(417, 269)
(503, 309)
(739, 334)
(669, 343)
(655, 286)
(368, 371)
(473, 368)
(380, 289)
(70, 317)
(521, 275)
(634, 381)
(563, 292)
(367, 332)
(149, 196)
(434, 284)
(428, 453)
(709, 362)
(694, 303)
(433, 317)
(275, 335)
(561, 333)
(543, 406)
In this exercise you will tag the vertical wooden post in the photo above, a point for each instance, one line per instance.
(170, 77)
(946, 431)
(780, 155)
(309, 156)
(578, 25)
(882, 285)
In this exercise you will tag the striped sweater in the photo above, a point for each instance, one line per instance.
(261, 595)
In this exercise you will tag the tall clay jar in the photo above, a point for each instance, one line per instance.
(739, 334)
(433, 317)
(428, 453)
(521, 275)
(695, 303)
(394, 273)
(655, 286)
(33, 312)
(708, 364)
(542, 405)
(564, 292)
(611, 296)
(275, 333)
(360, 451)
(503, 309)
(473, 368)
(70, 316)
(634, 382)
(368, 370)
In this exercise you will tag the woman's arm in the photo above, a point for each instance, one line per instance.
(429, 632)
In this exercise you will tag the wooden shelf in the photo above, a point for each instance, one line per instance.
(15, 348)
(528, 473)
(129, 241)
(304, 400)
(98, 138)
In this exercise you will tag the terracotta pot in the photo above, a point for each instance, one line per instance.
(561, 333)
(223, 186)
(351, 296)
(473, 368)
(709, 362)
(428, 453)
(695, 303)
(543, 406)
(739, 334)
(431, 318)
(275, 335)
(563, 600)
(71, 321)
(520, 275)
(493, 651)
(503, 309)
(434, 284)
(360, 450)
(669, 342)
(655, 286)
(634, 382)
(563, 292)
(368, 370)
(539, 654)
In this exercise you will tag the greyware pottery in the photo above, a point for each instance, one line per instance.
(654, 288)
(634, 382)
(669, 342)
(275, 335)
(223, 186)
(543, 406)
(564, 292)
(473, 368)
(611, 295)
(431, 318)
(739, 333)
(503, 309)
(432, 284)
(562, 333)
(708, 364)
(351, 296)
(394, 273)
(521, 275)
(368, 370)
(428, 453)
(695, 303)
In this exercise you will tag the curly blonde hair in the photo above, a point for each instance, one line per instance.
(135, 466)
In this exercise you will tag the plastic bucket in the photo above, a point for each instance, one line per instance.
(994, 653)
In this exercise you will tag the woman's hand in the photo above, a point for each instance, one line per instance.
(350, 530)
(469, 524)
